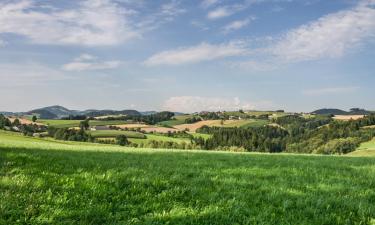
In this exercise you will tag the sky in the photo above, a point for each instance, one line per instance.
(187, 55)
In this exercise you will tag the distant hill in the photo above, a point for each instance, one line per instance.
(53, 112)
(42, 114)
(353, 111)
(94, 113)
(56, 111)
(330, 111)
(147, 113)
(8, 113)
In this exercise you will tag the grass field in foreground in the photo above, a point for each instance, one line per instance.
(55, 182)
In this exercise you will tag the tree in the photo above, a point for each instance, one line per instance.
(34, 118)
(16, 122)
(122, 140)
(84, 125)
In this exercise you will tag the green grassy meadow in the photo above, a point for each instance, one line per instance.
(115, 133)
(75, 123)
(365, 149)
(255, 123)
(177, 120)
(45, 181)
(153, 137)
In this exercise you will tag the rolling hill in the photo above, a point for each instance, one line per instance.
(353, 111)
(56, 111)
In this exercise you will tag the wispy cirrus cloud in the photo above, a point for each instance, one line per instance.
(76, 26)
(89, 62)
(209, 3)
(195, 54)
(331, 36)
(45, 23)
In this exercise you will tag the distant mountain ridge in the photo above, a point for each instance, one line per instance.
(56, 111)
(352, 111)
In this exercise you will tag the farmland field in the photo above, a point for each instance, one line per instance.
(348, 117)
(178, 120)
(153, 137)
(115, 133)
(222, 123)
(75, 123)
(44, 181)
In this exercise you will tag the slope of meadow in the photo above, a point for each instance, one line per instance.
(44, 181)
(365, 149)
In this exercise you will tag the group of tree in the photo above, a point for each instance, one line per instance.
(148, 119)
(17, 126)
(193, 119)
(69, 134)
(75, 117)
(293, 133)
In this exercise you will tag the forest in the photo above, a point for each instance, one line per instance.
(295, 134)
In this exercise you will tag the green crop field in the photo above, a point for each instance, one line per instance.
(60, 123)
(75, 123)
(247, 123)
(44, 181)
(255, 123)
(154, 137)
(178, 120)
(115, 133)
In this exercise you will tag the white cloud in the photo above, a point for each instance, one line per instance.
(172, 9)
(209, 3)
(237, 24)
(219, 13)
(82, 66)
(195, 54)
(330, 91)
(92, 23)
(329, 37)
(88, 62)
(166, 13)
(197, 104)
(85, 57)
(228, 10)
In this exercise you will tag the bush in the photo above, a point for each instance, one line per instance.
(122, 140)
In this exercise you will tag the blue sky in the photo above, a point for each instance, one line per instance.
(297, 55)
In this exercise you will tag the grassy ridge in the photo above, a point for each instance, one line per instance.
(46, 181)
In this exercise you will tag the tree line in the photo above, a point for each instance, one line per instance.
(295, 134)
